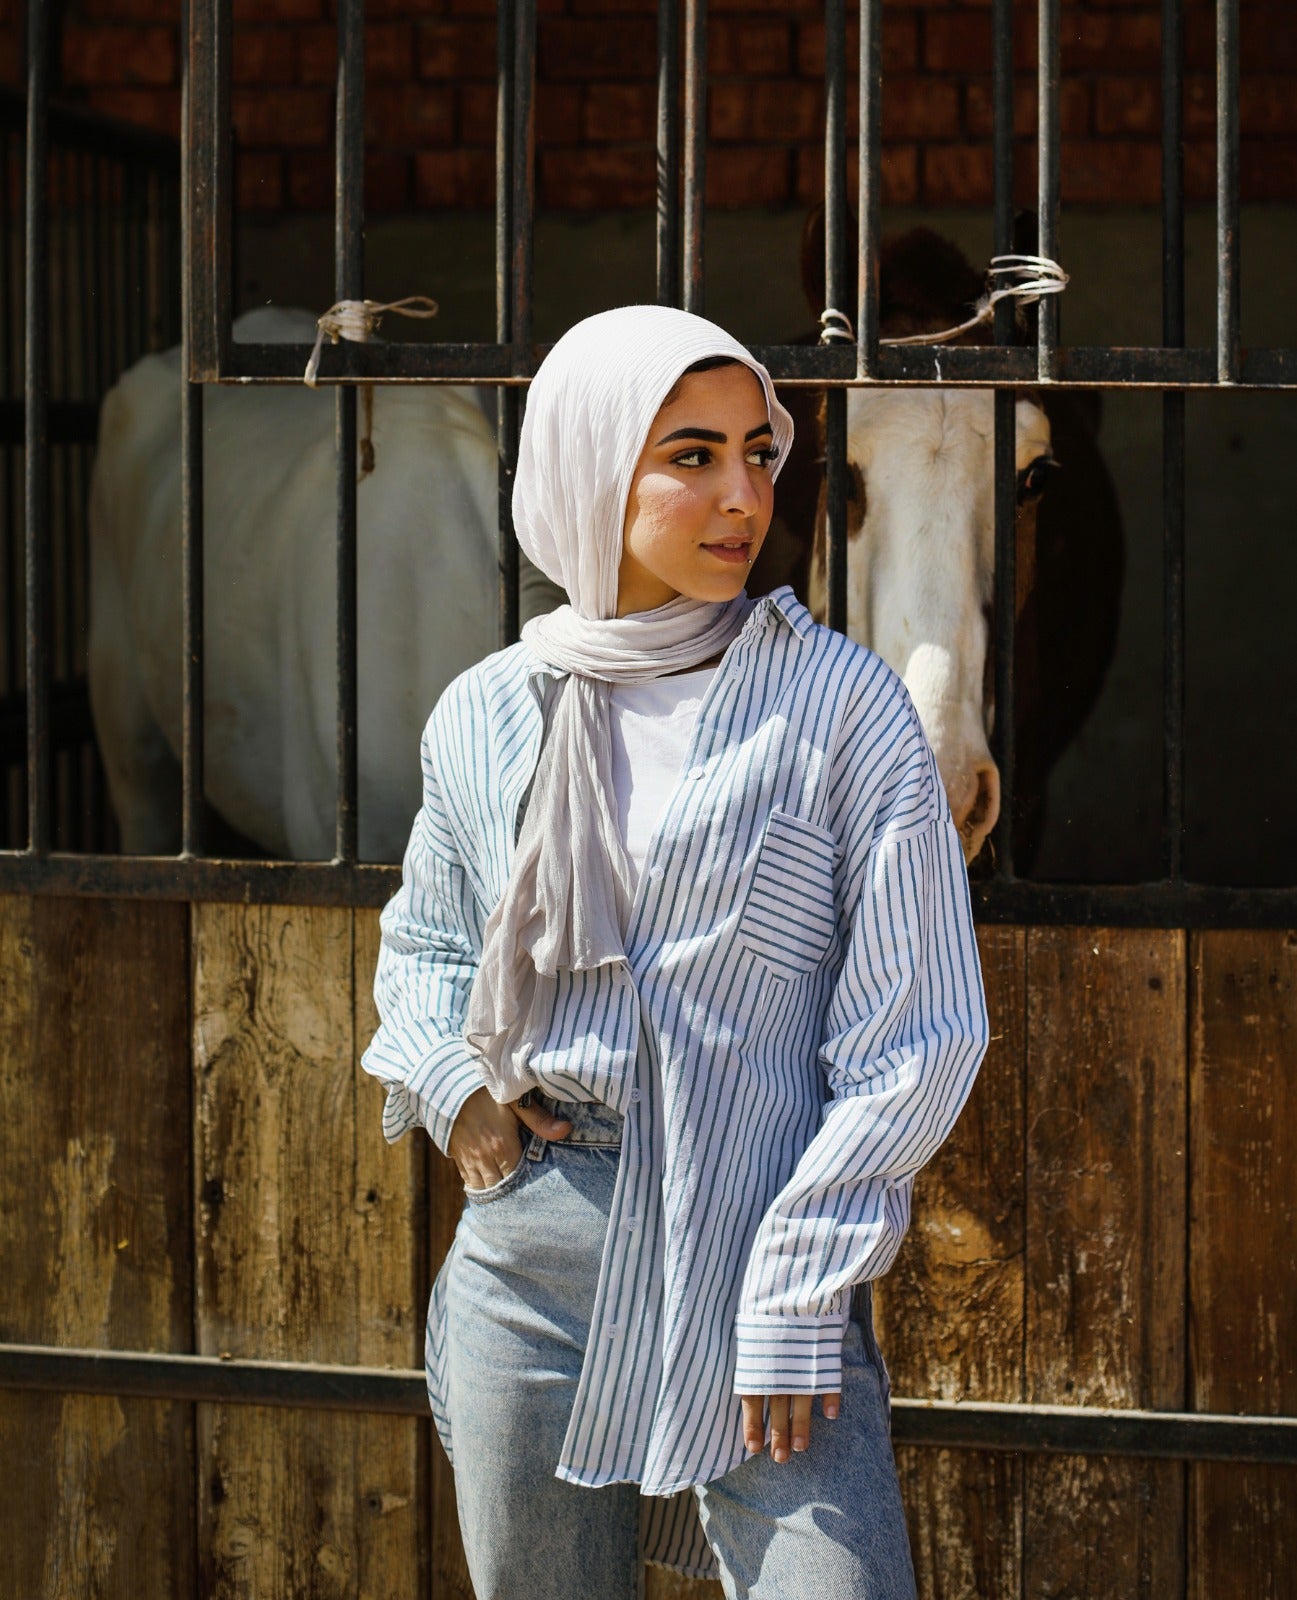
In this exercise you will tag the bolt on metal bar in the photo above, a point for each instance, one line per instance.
(869, 202)
(1228, 350)
(191, 530)
(835, 295)
(1173, 449)
(1004, 452)
(695, 152)
(348, 284)
(668, 154)
(36, 414)
(1047, 178)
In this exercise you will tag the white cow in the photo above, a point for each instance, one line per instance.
(921, 569)
(426, 598)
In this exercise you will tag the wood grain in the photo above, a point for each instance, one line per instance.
(949, 1314)
(1106, 1164)
(94, 1200)
(1243, 1288)
(306, 1248)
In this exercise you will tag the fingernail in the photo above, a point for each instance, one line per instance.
(799, 1443)
(830, 1412)
(753, 1446)
(781, 1454)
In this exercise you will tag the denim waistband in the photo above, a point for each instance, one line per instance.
(592, 1121)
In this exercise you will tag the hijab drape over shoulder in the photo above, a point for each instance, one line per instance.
(569, 893)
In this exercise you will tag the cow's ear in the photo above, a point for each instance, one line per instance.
(925, 280)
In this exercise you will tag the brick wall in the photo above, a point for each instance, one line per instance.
(431, 105)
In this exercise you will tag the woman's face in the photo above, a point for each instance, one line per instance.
(700, 501)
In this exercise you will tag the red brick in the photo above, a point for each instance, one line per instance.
(898, 170)
(461, 180)
(317, 52)
(1200, 171)
(756, 176)
(762, 49)
(1199, 107)
(477, 104)
(1128, 106)
(158, 109)
(294, 117)
(597, 180)
(920, 108)
(258, 180)
(957, 174)
(618, 113)
(1110, 171)
(119, 56)
(729, 111)
(1267, 40)
(456, 50)
(787, 111)
(154, 11)
(410, 115)
(622, 8)
(263, 55)
(957, 41)
(898, 48)
(618, 49)
(1073, 107)
(787, 8)
(387, 181)
(399, 10)
(1097, 41)
(1267, 104)
(558, 113)
(310, 180)
(277, 10)
(389, 53)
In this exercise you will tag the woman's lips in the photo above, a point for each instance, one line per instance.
(730, 553)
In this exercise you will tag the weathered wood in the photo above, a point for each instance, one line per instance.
(949, 1314)
(1243, 1288)
(307, 1248)
(94, 1194)
(1106, 1164)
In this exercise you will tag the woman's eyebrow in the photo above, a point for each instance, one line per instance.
(711, 436)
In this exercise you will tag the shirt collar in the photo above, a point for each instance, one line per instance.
(780, 606)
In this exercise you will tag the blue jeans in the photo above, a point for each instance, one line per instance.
(520, 1284)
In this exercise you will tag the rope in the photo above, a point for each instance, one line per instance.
(357, 320)
(1032, 277)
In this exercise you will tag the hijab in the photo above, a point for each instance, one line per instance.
(571, 885)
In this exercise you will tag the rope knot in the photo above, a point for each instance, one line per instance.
(357, 320)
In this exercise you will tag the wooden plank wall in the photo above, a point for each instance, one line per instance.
(190, 1159)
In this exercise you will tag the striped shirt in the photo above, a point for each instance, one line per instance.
(798, 1022)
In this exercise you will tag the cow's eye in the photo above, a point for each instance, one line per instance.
(1032, 479)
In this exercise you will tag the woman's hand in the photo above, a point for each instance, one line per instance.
(485, 1143)
(790, 1421)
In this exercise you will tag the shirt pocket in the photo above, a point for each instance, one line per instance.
(790, 916)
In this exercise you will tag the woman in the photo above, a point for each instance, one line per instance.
(682, 976)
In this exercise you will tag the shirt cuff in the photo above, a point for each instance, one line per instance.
(789, 1355)
(431, 1094)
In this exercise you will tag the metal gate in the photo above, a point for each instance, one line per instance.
(507, 363)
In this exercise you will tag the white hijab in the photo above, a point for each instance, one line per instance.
(569, 893)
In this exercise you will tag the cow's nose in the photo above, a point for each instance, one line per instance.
(975, 806)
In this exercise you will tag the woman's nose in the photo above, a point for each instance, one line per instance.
(739, 495)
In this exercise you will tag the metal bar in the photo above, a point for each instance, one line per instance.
(1002, 152)
(192, 708)
(970, 1424)
(695, 153)
(1173, 434)
(869, 203)
(524, 170)
(835, 295)
(1227, 242)
(1080, 367)
(348, 284)
(1047, 178)
(507, 411)
(668, 154)
(36, 400)
(207, 195)
(1005, 620)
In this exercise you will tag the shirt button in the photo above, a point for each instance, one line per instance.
(697, 772)
(655, 873)
(612, 1330)
(631, 1224)
(636, 1096)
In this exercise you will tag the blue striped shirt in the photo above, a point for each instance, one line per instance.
(799, 1020)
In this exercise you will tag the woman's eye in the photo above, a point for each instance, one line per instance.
(692, 458)
(766, 456)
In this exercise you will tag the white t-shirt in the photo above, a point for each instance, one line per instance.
(651, 725)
